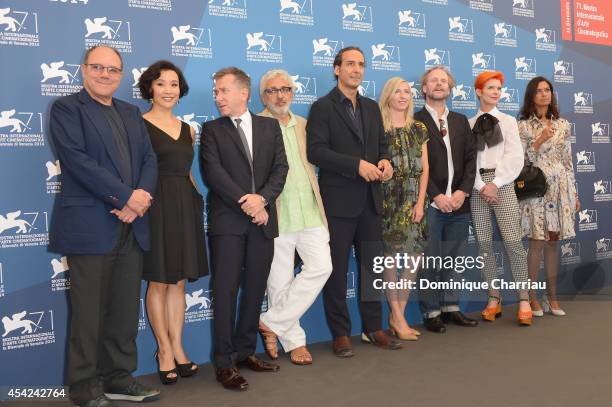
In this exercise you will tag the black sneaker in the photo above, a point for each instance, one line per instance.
(134, 392)
(99, 401)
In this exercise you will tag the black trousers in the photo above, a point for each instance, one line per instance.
(105, 300)
(365, 232)
(238, 259)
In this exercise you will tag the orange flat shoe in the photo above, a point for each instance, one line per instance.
(525, 318)
(490, 313)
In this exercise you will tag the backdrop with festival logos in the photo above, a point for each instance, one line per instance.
(42, 43)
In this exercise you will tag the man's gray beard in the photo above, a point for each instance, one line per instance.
(279, 111)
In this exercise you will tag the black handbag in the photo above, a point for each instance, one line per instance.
(531, 182)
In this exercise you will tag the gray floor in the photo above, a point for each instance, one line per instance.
(559, 361)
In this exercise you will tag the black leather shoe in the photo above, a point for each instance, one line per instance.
(231, 379)
(458, 318)
(254, 363)
(434, 324)
(381, 339)
(343, 347)
(100, 401)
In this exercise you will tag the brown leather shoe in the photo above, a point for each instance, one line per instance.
(343, 347)
(231, 379)
(381, 339)
(254, 363)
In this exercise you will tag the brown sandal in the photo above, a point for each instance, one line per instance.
(301, 356)
(269, 340)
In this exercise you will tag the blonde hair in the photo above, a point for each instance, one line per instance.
(385, 98)
(451, 78)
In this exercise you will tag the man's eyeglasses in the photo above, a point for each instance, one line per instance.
(97, 68)
(285, 90)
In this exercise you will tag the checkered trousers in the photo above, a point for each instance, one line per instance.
(508, 218)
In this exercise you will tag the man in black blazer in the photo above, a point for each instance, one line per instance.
(109, 173)
(452, 163)
(346, 141)
(244, 165)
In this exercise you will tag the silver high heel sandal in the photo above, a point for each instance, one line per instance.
(554, 311)
(537, 313)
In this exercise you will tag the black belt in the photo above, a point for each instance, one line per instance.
(486, 170)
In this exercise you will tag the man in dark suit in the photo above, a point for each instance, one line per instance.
(452, 163)
(346, 141)
(109, 172)
(244, 165)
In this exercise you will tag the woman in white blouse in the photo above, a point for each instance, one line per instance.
(499, 161)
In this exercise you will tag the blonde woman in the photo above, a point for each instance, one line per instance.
(404, 226)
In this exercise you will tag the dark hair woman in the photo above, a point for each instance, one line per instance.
(546, 220)
(178, 250)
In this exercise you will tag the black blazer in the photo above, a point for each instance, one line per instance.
(335, 147)
(463, 151)
(226, 171)
(91, 182)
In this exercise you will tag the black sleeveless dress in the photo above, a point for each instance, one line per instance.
(178, 247)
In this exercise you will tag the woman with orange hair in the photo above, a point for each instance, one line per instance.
(499, 161)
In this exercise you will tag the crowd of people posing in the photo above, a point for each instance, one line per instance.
(389, 181)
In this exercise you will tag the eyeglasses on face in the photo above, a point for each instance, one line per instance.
(285, 90)
(99, 69)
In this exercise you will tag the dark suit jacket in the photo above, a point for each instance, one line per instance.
(227, 172)
(463, 151)
(91, 181)
(335, 147)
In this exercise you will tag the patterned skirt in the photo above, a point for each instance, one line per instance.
(554, 212)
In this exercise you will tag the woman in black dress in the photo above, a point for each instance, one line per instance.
(178, 250)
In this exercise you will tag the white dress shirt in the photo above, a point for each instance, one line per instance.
(247, 127)
(449, 153)
(506, 157)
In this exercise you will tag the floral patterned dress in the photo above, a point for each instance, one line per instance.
(400, 234)
(555, 211)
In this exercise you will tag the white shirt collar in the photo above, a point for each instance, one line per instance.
(245, 117)
(493, 112)
(434, 113)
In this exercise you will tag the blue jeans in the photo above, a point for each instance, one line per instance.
(447, 235)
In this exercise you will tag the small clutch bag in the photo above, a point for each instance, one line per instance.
(531, 182)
